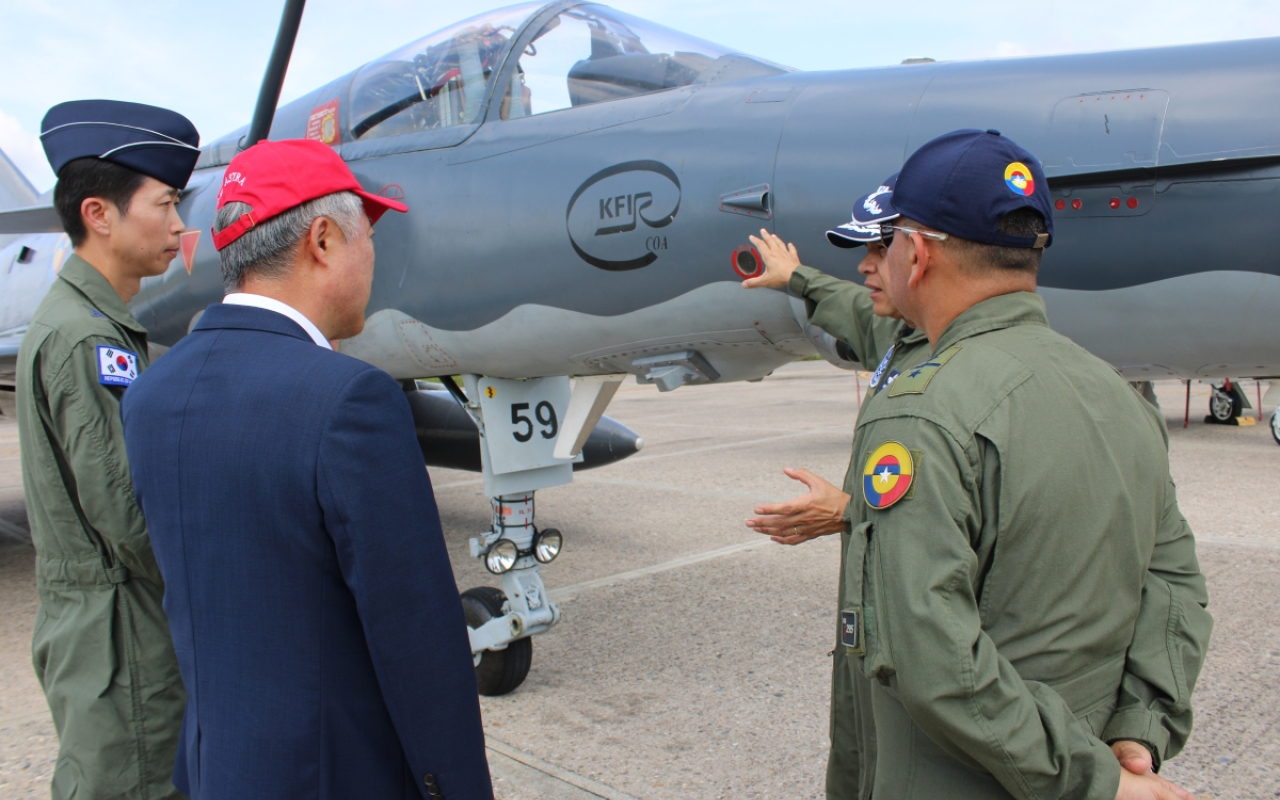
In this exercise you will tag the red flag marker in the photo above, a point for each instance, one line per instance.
(189, 240)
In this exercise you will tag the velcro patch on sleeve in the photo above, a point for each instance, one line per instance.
(116, 367)
(887, 475)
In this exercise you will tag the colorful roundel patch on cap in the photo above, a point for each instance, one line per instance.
(887, 475)
(1018, 178)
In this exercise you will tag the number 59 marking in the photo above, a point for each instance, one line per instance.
(546, 415)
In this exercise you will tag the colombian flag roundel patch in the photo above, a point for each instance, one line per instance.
(887, 475)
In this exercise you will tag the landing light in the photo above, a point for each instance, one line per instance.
(502, 556)
(547, 546)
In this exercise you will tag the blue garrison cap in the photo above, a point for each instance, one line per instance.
(154, 141)
(964, 182)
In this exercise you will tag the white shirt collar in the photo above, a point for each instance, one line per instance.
(271, 304)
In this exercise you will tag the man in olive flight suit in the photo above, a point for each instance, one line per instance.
(864, 317)
(1020, 589)
(102, 649)
(859, 315)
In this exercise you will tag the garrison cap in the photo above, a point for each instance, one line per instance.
(964, 182)
(868, 212)
(154, 141)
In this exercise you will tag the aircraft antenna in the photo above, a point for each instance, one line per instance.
(273, 80)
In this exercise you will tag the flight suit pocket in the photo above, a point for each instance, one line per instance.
(860, 631)
(853, 637)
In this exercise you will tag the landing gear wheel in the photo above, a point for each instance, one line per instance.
(499, 671)
(1275, 425)
(1224, 406)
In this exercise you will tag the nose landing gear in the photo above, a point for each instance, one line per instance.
(502, 621)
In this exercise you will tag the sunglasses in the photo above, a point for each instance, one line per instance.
(886, 233)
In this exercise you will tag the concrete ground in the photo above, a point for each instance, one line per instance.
(692, 660)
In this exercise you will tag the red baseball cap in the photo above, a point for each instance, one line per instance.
(274, 177)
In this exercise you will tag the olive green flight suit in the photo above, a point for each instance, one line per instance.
(1035, 592)
(844, 310)
(102, 649)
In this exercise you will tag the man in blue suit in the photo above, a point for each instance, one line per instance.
(313, 608)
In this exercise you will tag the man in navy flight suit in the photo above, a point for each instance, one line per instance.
(313, 608)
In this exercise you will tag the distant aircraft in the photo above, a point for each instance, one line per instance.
(582, 183)
(27, 269)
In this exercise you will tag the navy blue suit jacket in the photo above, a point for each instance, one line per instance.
(310, 596)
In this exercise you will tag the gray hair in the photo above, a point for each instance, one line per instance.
(267, 250)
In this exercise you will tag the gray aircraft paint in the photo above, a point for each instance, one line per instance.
(28, 266)
(492, 271)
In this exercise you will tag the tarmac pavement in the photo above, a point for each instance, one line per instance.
(692, 659)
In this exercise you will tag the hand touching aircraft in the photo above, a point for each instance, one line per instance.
(582, 182)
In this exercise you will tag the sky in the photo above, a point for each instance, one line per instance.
(206, 59)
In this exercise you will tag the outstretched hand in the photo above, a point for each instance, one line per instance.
(1137, 781)
(780, 260)
(818, 513)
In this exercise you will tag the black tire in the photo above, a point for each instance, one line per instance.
(499, 671)
(1225, 406)
(1275, 425)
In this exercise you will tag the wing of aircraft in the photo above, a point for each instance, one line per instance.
(581, 184)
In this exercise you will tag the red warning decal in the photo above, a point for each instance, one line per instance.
(323, 123)
(187, 246)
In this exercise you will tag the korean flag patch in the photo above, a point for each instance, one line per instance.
(116, 367)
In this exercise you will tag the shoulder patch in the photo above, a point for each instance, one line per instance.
(116, 367)
(914, 380)
(887, 475)
(884, 364)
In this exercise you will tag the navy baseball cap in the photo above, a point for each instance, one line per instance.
(877, 207)
(868, 212)
(154, 141)
(851, 234)
(964, 182)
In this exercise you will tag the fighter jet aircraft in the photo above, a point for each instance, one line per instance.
(582, 182)
(26, 271)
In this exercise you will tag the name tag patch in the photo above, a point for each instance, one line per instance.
(850, 633)
(116, 367)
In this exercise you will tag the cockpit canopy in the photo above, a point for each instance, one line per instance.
(436, 82)
(586, 54)
(591, 54)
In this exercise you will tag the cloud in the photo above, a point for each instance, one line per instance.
(23, 148)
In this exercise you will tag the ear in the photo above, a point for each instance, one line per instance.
(322, 239)
(97, 215)
(921, 261)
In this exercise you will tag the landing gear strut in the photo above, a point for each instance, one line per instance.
(503, 620)
(531, 433)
